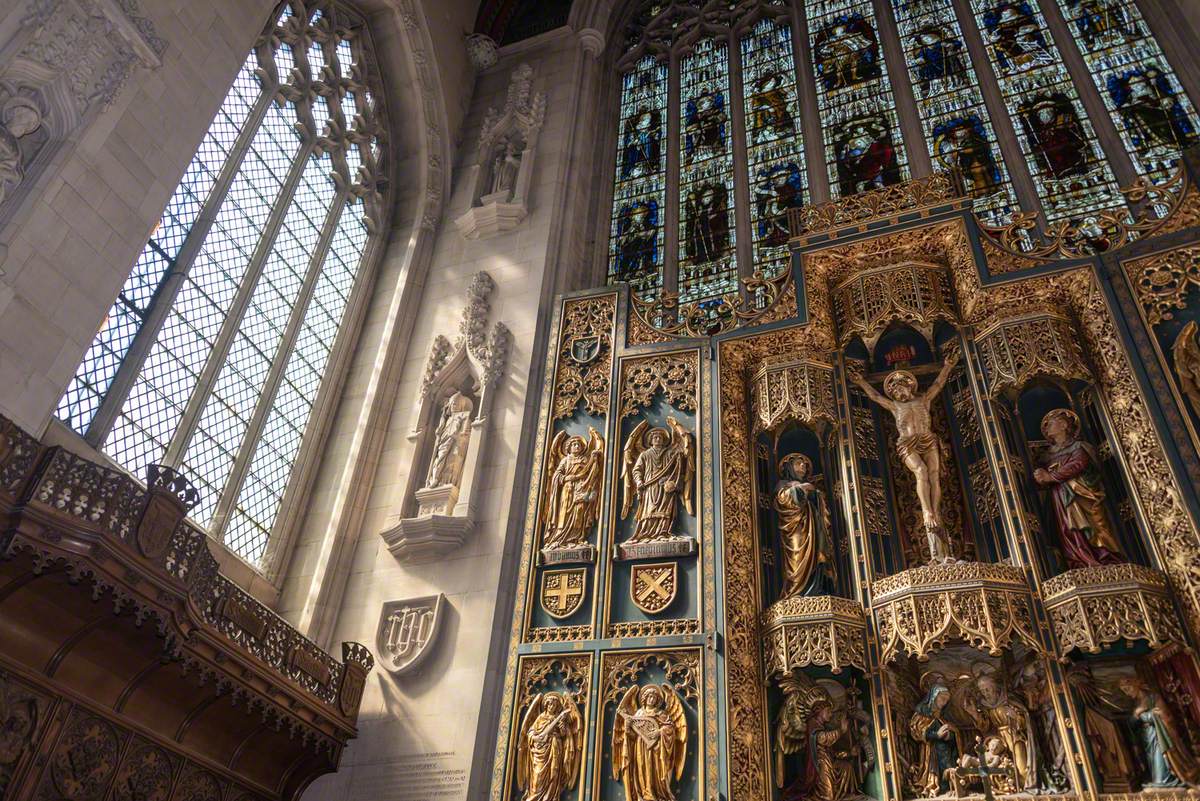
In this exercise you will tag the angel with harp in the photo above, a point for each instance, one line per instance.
(808, 723)
(573, 505)
(549, 747)
(649, 742)
(657, 469)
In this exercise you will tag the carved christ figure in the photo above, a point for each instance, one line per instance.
(549, 748)
(573, 505)
(919, 447)
(657, 474)
(450, 442)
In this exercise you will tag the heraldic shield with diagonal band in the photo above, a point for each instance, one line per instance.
(563, 591)
(653, 587)
(408, 630)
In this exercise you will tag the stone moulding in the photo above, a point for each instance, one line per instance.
(919, 610)
(1094, 606)
(820, 630)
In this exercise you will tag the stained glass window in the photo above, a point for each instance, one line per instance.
(1148, 106)
(774, 148)
(955, 121)
(1068, 167)
(636, 239)
(213, 353)
(863, 145)
(707, 264)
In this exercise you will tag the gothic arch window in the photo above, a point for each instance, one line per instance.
(214, 356)
(731, 113)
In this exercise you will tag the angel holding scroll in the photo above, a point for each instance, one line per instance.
(549, 748)
(657, 470)
(649, 742)
(573, 505)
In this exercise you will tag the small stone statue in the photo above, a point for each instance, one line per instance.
(505, 167)
(919, 447)
(450, 442)
(19, 117)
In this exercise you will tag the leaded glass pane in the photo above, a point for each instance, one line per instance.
(1148, 106)
(863, 145)
(956, 124)
(774, 148)
(1068, 167)
(636, 239)
(707, 263)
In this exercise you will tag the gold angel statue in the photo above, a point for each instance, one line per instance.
(573, 503)
(1186, 354)
(649, 743)
(809, 724)
(549, 747)
(658, 466)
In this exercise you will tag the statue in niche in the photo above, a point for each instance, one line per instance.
(997, 713)
(649, 742)
(804, 529)
(656, 473)
(1039, 700)
(940, 738)
(1108, 746)
(505, 166)
(1170, 762)
(810, 724)
(573, 506)
(919, 448)
(450, 442)
(1070, 470)
(1186, 355)
(19, 117)
(549, 747)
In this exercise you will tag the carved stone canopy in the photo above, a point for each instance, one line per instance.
(1094, 606)
(820, 630)
(911, 292)
(793, 391)
(921, 609)
(1018, 349)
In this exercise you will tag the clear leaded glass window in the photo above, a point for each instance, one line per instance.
(213, 355)
(1034, 105)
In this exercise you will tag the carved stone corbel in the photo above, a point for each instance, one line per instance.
(451, 433)
(503, 168)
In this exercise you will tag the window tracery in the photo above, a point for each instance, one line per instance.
(213, 355)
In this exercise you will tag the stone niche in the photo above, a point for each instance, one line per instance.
(450, 434)
(500, 178)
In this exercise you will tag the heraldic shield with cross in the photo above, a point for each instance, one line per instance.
(653, 586)
(407, 631)
(563, 591)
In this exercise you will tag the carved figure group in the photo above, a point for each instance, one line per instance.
(1170, 763)
(656, 474)
(19, 117)
(450, 442)
(804, 529)
(649, 743)
(573, 505)
(549, 747)
(826, 738)
(918, 446)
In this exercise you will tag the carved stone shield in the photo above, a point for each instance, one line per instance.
(653, 587)
(407, 631)
(162, 514)
(584, 350)
(351, 691)
(563, 591)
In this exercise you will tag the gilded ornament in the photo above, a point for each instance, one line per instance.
(1092, 607)
(657, 474)
(1185, 353)
(585, 355)
(813, 630)
(572, 504)
(563, 591)
(674, 375)
(649, 742)
(917, 293)
(878, 204)
(654, 628)
(1016, 350)
(559, 633)
(786, 392)
(666, 315)
(550, 746)
(652, 587)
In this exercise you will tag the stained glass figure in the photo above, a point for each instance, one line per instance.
(862, 141)
(774, 148)
(1069, 170)
(636, 239)
(1148, 106)
(951, 106)
(707, 265)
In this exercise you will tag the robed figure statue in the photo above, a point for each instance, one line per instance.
(1070, 470)
(573, 505)
(804, 529)
(1171, 763)
(450, 442)
(649, 743)
(657, 473)
(941, 741)
(808, 724)
(549, 748)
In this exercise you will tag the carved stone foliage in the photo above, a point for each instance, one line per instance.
(921, 609)
(793, 392)
(585, 356)
(653, 628)
(1016, 350)
(914, 293)
(1163, 281)
(675, 375)
(819, 630)
(1095, 606)
(621, 670)
(878, 204)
